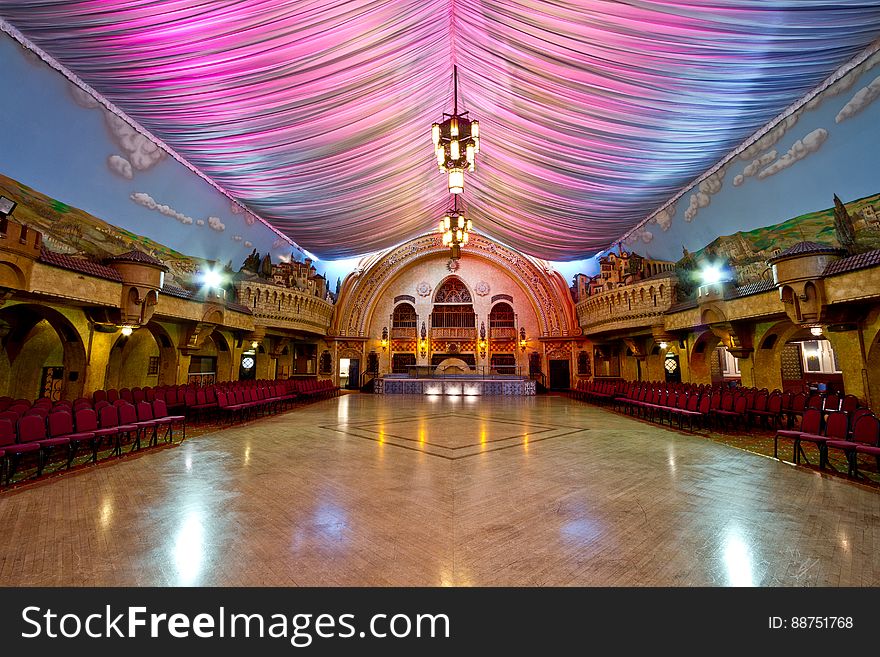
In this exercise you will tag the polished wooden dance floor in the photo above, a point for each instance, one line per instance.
(412, 490)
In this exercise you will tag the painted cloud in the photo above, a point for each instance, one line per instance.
(770, 137)
(701, 198)
(216, 224)
(119, 165)
(139, 150)
(862, 98)
(664, 217)
(754, 167)
(150, 203)
(798, 151)
(82, 98)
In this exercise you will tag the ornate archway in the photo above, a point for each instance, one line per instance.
(545, 289)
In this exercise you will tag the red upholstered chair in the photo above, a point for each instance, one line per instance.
(86, 421)
(99, 395)
(811, 423)
(111, 418)
(60, 425)
(850, 403)
(865, 440)
(145, 422)
(836, 428)
(32, 429)
(13, 450)
(160, 413)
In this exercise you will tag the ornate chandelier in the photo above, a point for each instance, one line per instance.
(456, 142)
(455, 229)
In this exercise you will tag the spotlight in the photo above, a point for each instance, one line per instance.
(127, 330)
(711, 274)
(7, 205)
(212, 279)
(816, 330)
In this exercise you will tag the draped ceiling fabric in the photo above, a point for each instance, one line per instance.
(317, 115)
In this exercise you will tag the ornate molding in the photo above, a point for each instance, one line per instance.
(550, 298)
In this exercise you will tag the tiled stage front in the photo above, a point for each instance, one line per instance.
(410, 490)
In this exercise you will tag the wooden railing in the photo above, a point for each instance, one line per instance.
(403, 333)
(502, 333)
(460, 333)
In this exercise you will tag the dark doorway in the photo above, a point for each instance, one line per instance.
(354, 374)
(671, 366)
(560, 378)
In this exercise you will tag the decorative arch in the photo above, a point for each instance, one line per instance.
(546, 289)
(23, 362)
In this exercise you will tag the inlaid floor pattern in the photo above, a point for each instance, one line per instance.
(400, 490)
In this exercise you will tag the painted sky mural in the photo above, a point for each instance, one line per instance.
(829, 146)
(63, 143)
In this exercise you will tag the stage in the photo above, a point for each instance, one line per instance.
(455, 385)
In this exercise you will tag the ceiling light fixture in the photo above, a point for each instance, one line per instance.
(455, 229)
(456, 142)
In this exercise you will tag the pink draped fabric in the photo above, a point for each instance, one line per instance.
(317, 115)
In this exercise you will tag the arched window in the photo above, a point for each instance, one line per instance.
(502, 321)
(452, 291)
(404, 316)
(452, 306)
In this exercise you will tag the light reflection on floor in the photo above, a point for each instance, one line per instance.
(574, 496)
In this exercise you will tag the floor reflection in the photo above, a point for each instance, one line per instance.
(189, 549)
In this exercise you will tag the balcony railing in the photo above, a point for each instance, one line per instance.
(502, 333)
(460, 333)
(403, 333)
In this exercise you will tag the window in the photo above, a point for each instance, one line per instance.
(728, 364)
(153, 366)
(404, 316)
(818, 356)
(502, 316)
(453, 316)
(452, 291)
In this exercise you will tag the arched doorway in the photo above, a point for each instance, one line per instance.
(212, 362)
(705, 366)
(145, 358)
(43, 354)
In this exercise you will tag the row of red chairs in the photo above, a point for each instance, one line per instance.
(42, 434)
(828, 421)
(126, 415)
(739, 405)
(853, 433)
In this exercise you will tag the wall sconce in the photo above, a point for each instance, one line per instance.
(816, 330)
(127, 330)
(384, 341)
(522, 339)
(424, 341)
(663, 345)
(254, 344)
